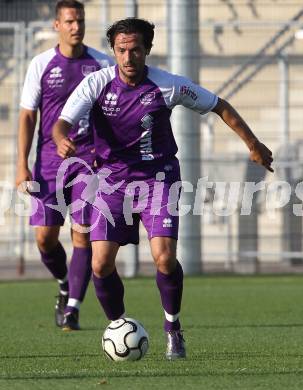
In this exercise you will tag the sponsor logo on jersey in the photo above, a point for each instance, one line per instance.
(55, 78)
(55, 72)
(146, 148)
(185, 90)
(146, 98)
(110, 108)
(147, 121)
(110, 111)
(167, 223)
(111, 99)
(87, 69)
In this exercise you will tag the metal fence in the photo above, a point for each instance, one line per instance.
(270, 238)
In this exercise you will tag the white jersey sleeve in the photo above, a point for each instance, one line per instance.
(193, 96)
(178, 90)
(84, 96)
(31, 93)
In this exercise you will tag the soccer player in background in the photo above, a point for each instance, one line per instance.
(50, 79)
(134, 103)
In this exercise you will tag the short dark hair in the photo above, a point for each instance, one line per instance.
(129, 26)
(67, 4)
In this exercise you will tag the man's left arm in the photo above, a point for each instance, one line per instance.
(199, 99)
(259, 153)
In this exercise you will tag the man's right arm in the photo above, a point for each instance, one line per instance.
(27, 124)
(65, 147)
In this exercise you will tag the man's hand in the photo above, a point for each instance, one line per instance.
(23, 176)
(260, 154)
(66, 147)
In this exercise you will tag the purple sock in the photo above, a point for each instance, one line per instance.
(171, 287)
(110, 293)
(55, 262)
(79, 274)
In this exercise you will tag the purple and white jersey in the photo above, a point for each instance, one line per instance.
(50, 79)
(132, 124)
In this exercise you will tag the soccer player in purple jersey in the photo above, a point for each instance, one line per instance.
(50, 79)
(131, 104)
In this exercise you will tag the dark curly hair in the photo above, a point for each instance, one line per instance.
(129, 26)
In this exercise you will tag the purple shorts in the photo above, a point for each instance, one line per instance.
(119, 207)
(58, 193)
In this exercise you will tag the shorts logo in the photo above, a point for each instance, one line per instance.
(167, 223)
(146, 98)
(87, 69)
(83, 125)
(168, 168)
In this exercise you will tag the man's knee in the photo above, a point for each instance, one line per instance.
(104, 257)
(80, 240)
(165, 261)
(47, 240)
(102, 266)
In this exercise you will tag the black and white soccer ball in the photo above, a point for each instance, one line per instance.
(125, 339)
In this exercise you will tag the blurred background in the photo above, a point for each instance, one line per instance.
(249, 52)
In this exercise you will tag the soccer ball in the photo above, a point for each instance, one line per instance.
(125, 339)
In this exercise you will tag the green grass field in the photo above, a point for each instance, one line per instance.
(241, 333)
